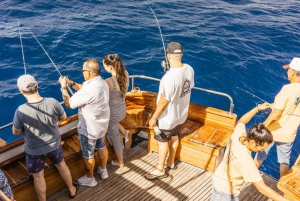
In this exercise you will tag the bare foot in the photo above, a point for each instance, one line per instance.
(116, 163)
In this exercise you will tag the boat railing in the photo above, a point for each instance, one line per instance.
(132, 77)
(10, 124)
(195, 88)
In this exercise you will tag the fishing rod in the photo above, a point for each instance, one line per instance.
(22, 47)
(50, 59)
(164, 64)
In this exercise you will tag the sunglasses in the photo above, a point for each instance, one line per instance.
(85, 70)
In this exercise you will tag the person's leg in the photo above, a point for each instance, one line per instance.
(35, 166)
(283, 153)
(102, 156)
(89, 166)
(262, 155)
(40, 185)
(162, 154)
(87, 148)
(5, 189)
(127, 136)
(173, 145)
(102, 152)
(114, 139)
(57, 159)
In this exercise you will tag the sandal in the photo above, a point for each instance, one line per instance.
(76, 185)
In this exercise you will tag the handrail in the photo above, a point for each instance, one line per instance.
(196, 88)
(155, 79)
(10, 124)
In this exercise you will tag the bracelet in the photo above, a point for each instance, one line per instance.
(72, 84)
(257, 109)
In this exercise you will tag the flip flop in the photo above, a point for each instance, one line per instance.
(154, 177)
(76, 185)
(169, 168)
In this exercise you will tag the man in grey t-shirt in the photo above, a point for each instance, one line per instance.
(37, 119)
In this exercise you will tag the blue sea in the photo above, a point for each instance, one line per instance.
(233, 46)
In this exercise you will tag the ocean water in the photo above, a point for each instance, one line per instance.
(231, 45)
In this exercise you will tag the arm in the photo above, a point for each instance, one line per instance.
(73, 84)
(273, 116)
(63, 117)
(2, 143)
(16, 131)
(65, 93)
(4, 197)
(161, 105)
(248, 116)
(268, 192)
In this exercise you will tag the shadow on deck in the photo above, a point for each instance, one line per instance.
(128, 183)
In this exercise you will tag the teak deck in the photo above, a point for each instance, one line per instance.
(128, 183)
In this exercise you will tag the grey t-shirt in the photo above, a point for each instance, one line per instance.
(38, 122)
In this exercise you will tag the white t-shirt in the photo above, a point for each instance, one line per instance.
(92, 101)
(237, 165)
(176, 87)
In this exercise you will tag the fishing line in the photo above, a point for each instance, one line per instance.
(252, 94)
(49, 58)
(22, 47)
(164, 64)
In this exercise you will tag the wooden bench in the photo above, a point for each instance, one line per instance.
(206, 131)
(289, 184)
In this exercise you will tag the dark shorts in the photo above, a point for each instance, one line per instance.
(166, 135)
(35, 163)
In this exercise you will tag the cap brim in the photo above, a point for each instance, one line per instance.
(286, 66)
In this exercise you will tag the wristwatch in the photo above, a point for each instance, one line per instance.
(62, 88)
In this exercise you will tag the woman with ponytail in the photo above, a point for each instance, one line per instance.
(238, 165)
(118, 85)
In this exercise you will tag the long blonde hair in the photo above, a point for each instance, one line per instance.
(115, 61)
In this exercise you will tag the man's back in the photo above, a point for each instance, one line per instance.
(284, 129)
(38, 122)
(176, 87)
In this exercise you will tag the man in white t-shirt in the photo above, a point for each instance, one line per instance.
(172, 107)
(238, 165)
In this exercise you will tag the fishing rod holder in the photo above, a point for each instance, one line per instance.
(195, 88)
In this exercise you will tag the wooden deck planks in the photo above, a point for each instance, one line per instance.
(128, 183)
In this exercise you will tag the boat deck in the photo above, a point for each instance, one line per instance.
(128, 183)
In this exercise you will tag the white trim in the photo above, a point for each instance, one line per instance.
(20, 149)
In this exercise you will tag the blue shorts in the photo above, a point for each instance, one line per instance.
(221, 196)
(284, 150)
(35, 163)
(4, 186)
(89, 145)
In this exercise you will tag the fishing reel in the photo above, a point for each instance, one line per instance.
(165, 65)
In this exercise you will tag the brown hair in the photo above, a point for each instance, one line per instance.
(260, 134)
(31, 89)
(117, 64)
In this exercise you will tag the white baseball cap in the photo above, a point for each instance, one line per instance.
(295, 64)
(24, 81)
